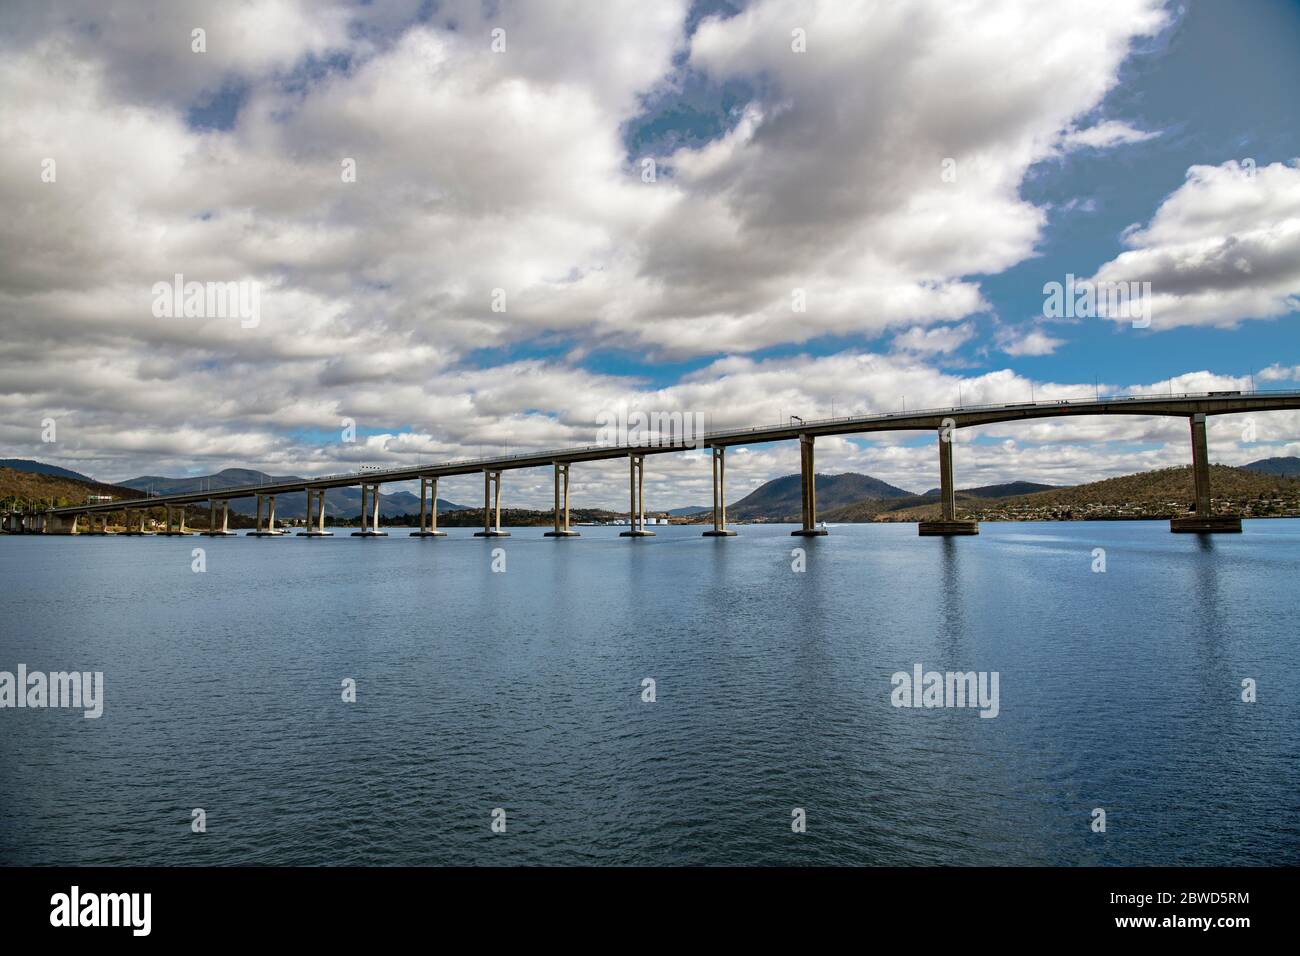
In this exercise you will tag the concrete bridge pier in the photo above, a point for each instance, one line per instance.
(58, 524)
(168, 530)
(562, 529)
(224, 531)
(808, 489)
(316, 524)
(265, 523)
(719, 455)
(97, 524)
(369, 514)
(429, 510)
(491, 507)
(136, 530)
(1203, 520)
(948, 524)
(636, 490)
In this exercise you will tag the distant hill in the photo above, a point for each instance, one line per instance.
(780, 499)
(683, 512)
(1165, 493)
(41, 489)
(1008, 490)
(41, 468)
(1286, 467)
(339, 502)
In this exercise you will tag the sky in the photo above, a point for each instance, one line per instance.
(478, 228)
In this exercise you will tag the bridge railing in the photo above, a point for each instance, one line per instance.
(1038, 403)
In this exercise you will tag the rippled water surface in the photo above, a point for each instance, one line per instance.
(522, 690)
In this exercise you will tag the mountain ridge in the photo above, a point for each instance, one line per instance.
(339, 502)
(780, 499)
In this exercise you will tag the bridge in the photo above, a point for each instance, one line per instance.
(1195, 407)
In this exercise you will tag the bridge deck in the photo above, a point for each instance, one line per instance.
(1182, 405)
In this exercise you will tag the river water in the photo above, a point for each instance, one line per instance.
(514, 679)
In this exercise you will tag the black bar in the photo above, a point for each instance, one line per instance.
(928, 907)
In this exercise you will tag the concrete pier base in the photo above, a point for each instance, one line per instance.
(369, 513)
(213, 534)
(173, 534)
(808, 490)
(315, 534)
(948, 525)
(561, 527)
(948, 528)
(266, 534)
(491, 507)
(138, 534)
(718, 453)
(428, 510)
(636, 499)
(1214, 524)
(1202, 521)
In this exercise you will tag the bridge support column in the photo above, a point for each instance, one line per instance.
(562, 529)
(492, 507)
(369, 514)
(168, 531)
(214, 531)
(808, 490)
(720, 530)
(948, 524)
(315, 527)
(429, 510)
(1203, 521)
(636, 505)
(54, 524)
(265, 524)
(135, 530)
